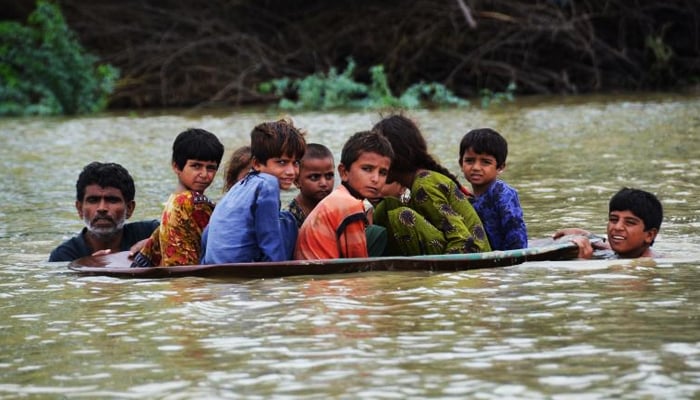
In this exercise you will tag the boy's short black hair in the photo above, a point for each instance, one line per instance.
(317, 151)
(277, 139)
(485, 141)
(365, 142)
(196, 144)
(105, 175)
(641, 203)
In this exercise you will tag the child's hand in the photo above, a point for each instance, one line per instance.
(585, 250)
(102, 252)
(570, 231)
(136, 248)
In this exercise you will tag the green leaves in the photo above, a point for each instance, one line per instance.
(340, 90)
(45, 71)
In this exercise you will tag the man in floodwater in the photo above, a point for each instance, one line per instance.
(104, 200)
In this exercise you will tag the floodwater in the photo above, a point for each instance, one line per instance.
(557, 330)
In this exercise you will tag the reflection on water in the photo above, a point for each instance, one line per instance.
(593, 329)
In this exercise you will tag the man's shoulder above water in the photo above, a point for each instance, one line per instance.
(76, 247)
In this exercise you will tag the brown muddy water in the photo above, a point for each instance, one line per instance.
(558, 330)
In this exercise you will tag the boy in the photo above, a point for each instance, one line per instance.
(634, 220)
(315, 182)
(104, 200)
(335, 228)
(482, 158)
(247, 225)
(196, 157)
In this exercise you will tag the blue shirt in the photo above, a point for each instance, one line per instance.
(247, 224)
(500, 212)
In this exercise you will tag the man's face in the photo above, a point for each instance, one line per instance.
(104, 210)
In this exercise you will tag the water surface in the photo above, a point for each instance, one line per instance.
(560, 330)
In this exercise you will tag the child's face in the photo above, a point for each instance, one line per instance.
(196, 175)
(367, 174)
(626, 234)
(285, 168)
(479, 169)
(316, 178)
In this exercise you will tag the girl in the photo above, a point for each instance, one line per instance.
(438, 218)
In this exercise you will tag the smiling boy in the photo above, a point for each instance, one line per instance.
(634, 220)
(336, 226)
(247, 224)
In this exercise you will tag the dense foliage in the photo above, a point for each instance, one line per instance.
(179, 53)
(322, 91)
(45, 71)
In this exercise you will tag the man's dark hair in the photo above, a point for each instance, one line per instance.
(105, 175)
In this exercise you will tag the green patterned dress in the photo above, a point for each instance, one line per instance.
(438, 219)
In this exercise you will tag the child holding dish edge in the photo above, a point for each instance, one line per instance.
(177, 241)
(634, 220)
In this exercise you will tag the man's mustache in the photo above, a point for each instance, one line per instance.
(106, 218)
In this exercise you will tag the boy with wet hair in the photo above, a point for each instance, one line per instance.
(482, 158)
(247, 224)
(196, 157)
(336, 227)
(104, 201)
(634, 220)
(315, 181)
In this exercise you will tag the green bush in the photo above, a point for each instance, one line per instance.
(45, 71)
(335, 90)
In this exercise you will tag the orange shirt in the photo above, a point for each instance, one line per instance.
(335, 228)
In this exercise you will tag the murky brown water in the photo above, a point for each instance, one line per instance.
(580, 329)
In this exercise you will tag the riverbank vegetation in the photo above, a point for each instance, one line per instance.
(45, 71)
(223, 52)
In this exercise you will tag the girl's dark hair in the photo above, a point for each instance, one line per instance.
(410, 149)
(485, 141)
(276, 139)
(196, 144)
(239, 160)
